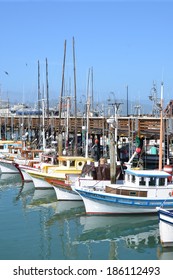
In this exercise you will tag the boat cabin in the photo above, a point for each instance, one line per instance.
(146, 178)
(73, 162)
(142, 183)
(10, 146)
(67, 163)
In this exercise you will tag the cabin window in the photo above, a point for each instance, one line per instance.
(152, 181)
(128, 177)
(132, 193)
(142, 181)
(64, 163)
(161, 181)
(80, 163)
(72, 163)
(133, 178)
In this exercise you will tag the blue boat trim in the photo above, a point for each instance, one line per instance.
(123, 200)
(166, 222)
(165, 214)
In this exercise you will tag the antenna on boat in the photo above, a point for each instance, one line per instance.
(161, 128)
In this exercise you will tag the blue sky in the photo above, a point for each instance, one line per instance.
(125, 42)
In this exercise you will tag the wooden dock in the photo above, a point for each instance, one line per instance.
(147, 126)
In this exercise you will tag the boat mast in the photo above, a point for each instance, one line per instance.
(88, 110)
(75, 99)
(47, 90)
(43, 116)
(161, 129)
(39, 104)
(60, 103)
(92, 91)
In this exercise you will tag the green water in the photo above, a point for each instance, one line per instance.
(34, 225)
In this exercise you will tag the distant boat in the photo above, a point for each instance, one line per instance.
(32, 159)
(9, 147)
(8, 150)
(166, 227)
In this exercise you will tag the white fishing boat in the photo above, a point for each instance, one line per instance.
(165, 227)
(9, 147)
(35, 160)
(141, 192)
(24, 158)
(8, 150)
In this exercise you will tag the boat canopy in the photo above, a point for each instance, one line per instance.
(147, 173)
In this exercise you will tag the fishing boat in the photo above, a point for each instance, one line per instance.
(165, 226)
(66, 165)
(9, 146)
(26, 158)
(93, 174)
(141, 192)
(32, 159)
(8, 150)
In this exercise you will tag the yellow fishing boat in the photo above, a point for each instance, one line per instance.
(66, 165)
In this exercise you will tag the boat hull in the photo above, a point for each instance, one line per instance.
(102, 203)
(64, 191)
(40, 183)
(26, 176)
(7, 167)
(66, 194)
(166, 227)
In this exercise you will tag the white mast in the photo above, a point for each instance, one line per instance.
(161, 128)
(43, 132)
(87, 126)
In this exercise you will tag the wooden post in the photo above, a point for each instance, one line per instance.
(112, 158)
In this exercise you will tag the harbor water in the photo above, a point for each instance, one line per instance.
(35, 226)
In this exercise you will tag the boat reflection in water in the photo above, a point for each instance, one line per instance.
(46, 195)
(37, 226)
(165, 253)
(132, 231)
(10, 179)
(37, 197)
(104, 237)
(27, 187)
(69, 207)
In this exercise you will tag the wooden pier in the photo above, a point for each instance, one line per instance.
(147, 126)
